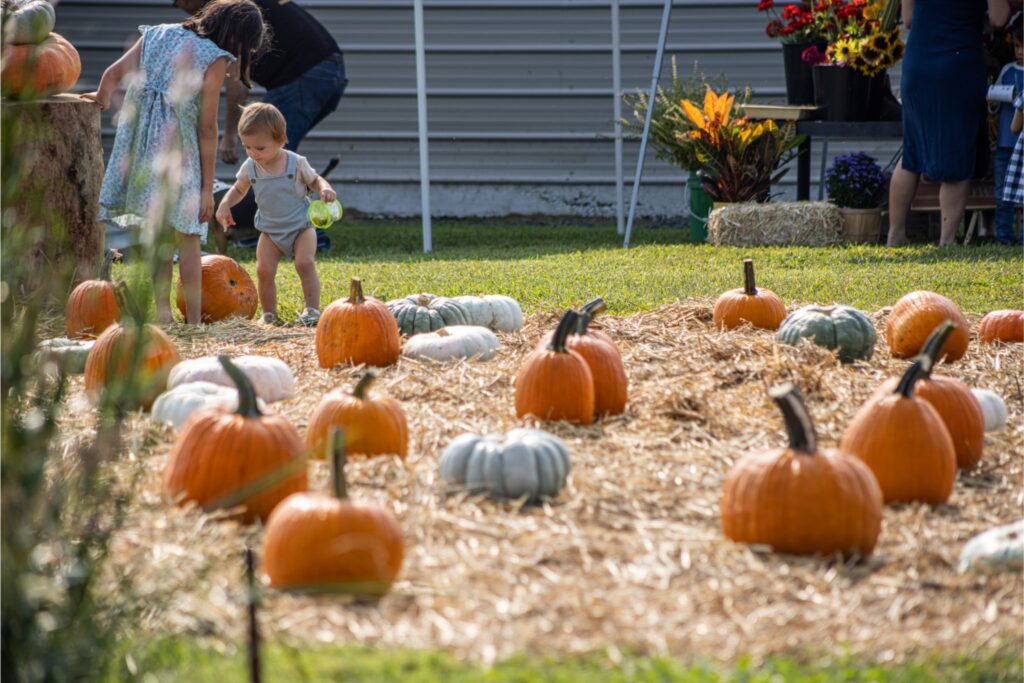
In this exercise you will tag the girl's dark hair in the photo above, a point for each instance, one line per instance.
(235, 26)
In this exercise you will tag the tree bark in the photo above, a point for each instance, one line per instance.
(55, 143)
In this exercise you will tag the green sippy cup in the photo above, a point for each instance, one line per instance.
(322, 215)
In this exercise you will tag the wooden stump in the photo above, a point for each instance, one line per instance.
(56, 144)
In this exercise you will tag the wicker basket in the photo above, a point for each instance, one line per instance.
(861, 225)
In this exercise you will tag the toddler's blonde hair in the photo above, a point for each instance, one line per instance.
(262, 118)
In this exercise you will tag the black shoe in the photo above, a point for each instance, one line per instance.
(323, 242)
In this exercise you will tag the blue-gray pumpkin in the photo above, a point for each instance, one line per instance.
(427, 313)
(522, 462)
(841, 328)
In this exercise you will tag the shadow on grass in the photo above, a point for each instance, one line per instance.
(501, 239)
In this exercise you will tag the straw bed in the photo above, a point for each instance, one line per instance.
(631, 555)
(744, 224)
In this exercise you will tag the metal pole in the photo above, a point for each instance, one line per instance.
(421, 106)
(665, 15)
(620, 227)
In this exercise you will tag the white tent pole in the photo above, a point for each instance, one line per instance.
(421, 105)
(665, 15)
(620, 227)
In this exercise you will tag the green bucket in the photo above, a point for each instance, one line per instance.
(700, 207)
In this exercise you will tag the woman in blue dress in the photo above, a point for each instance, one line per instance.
(943, 87)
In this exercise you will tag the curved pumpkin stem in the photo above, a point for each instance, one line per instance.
(748, 277)
(337, 444)
(593, 308)
(355, 291)
(798, 421)
(936, 340)
(108, 262)
(921, 368)
(566, 325)
(363, 385)
(582, 323)
(127, 304)
(246, 394)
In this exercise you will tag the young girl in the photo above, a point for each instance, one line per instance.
(1013, 187)
(162, 164)
(280, 180)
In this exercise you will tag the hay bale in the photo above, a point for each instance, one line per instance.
(810, 224)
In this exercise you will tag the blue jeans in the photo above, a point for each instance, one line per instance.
(308, 99)
(1005, 211)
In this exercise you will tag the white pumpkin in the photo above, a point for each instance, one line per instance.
(68, 355)
(177, 404)
(498, 312)
(272, 378)
(992, 407)
(522, 462)
(454, 341)
(27, 22)
(998, 549)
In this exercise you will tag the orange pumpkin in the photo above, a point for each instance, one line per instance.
(92, 306)
(611, 386)
(227, 290)
(357, 330)
(758, 307)
(801, 500)
(556, 383)
(904, 441)
(1005, 326)
(373, 425)
(915, 316)
(243, 458)
(323, 543)
(954, 402)
(32, 71)
(130, 360)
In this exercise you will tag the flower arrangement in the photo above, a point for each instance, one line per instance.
(855, 181)
(862, 34)
(738, 157)
(668, 118)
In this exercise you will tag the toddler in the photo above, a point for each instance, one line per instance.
(1012, 76)
(162, 163)
(280, 179)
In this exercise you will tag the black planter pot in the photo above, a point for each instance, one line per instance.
(799, 78)
(847, 94)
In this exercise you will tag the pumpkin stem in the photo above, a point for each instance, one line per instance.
(798, 420)
(593, 308)
(127, 304)
(921, 368)
(246, 394)
(936, 340)
(338, 460)
(108, 262)
(583, 322)
(363, 385)
(423, 300)
(748, 277)
(565, 326)
(355, 291)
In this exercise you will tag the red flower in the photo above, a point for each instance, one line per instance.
(773, 28)
(791, 12)
(785, 30)
(765, 5)
(813, 55)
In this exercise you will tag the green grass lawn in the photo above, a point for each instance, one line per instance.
(180, 661)
(556, 266)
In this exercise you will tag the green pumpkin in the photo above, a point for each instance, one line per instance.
(426, 313)
(840, 328)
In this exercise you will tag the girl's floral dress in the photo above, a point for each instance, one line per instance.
(154, 172)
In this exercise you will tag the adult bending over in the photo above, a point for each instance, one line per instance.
(943, 88)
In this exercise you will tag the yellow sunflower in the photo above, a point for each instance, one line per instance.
(845, 50)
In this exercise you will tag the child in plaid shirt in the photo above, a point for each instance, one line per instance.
(1013, 186)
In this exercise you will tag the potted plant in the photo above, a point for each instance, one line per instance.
(667, 120)
(738, 157)
(863, 42)
(798, 28)
(856, 185)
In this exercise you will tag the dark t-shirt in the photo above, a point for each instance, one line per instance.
(299, 43)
